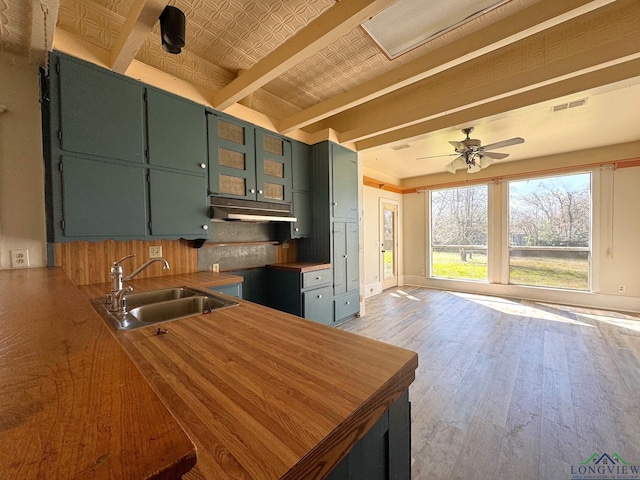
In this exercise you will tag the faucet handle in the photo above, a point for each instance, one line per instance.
(117, 264)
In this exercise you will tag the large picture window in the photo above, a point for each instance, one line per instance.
(459, 233)
(550, 231)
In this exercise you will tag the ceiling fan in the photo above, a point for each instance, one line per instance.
(472, 155)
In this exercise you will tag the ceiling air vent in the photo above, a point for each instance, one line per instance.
(400, 147)
(566, 106)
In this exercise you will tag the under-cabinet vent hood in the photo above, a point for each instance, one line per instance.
(228, 209)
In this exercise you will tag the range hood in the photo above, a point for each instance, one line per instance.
(229, 209)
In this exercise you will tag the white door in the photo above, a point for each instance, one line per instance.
(389, 245)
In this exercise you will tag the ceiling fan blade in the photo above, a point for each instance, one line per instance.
(504, 143)
(436, 156)
(495, 155)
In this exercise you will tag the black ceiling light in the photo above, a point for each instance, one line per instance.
(172, 29)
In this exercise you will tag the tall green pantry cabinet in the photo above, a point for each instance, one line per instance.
(336, 234)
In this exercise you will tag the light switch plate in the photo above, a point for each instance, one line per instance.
(155, 251)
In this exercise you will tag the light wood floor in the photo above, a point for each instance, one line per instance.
(510, 389)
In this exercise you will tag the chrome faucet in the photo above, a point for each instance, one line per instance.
(116, 299)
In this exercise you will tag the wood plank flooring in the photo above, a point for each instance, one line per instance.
(510, 389)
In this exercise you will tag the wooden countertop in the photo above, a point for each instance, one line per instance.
(72, 404)
(301, 267)
(264, 394)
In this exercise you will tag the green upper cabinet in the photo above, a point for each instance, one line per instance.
(176, 132)
(273, 167)
(301, 200)
(247, 162)
(178, 204)
(301, 165)
(101, 113)
(232, 167)
(344, 182)
(102, 199)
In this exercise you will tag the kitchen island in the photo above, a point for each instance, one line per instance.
(261, 393)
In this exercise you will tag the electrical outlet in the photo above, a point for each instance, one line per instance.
(215, 267)
(155, 251)
(19, 258)
(622, 288)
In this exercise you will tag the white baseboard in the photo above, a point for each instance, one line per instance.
(547, 295)
(372, 289)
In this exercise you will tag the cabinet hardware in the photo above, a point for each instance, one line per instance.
(318, 278)
(260, 192)
(252, 190)
(202, 165)
(348, 303)
(319, 296)
(205, 227)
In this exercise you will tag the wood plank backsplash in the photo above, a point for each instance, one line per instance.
(89, 262)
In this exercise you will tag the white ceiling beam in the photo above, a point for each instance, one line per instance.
(324, 30)
(42, 12)
(428, 99)
(534, 19)
(570, 86)
(139, 22)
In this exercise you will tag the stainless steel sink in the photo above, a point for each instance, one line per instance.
(157, 306)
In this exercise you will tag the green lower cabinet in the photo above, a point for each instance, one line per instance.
(306, 294)
(346, 306)
(232, 289)
(384, 453)
(102, 199)
(317, 305)
(178, 204)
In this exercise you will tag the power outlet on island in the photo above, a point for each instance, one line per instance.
(155, 251)
(215, 267)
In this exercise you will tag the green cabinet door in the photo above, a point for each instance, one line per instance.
(301, 165)
(232, 167)
(339, 258)
(318, 305)
(346, 273)
(102, 199)
(101, 113)
(273, 167)
(344, 182)
(178, 204)
(353, 255)
(177, 132)
(301, 204)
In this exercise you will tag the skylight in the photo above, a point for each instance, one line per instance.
(407, 24)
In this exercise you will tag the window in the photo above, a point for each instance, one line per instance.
(550, 231)
(459, 232)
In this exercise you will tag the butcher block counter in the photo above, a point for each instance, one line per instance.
(262, 394)
(72, 404)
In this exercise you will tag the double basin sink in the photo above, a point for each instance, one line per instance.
(157, 306)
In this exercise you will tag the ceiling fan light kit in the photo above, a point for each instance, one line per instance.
(472, 155)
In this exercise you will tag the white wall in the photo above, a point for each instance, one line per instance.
(22, 212)
(615, 254)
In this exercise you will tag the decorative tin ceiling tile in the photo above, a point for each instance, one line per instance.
(91, 21)
(235, 34)
(15, 27)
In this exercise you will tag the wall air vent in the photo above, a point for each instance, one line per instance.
(400, 147)
(566, 106)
